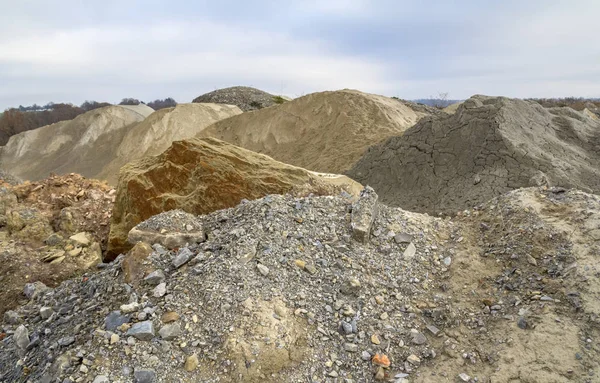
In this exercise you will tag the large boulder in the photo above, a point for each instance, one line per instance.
(491, 145)
(199, 176)
(324, 132)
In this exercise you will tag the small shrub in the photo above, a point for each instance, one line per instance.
(279, 99)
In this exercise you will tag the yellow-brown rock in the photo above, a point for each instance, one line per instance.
(203, 175)
(134, 268)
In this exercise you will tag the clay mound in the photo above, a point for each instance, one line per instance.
(82, 145)
(490, 146)
(244, 97)
(203, 175)
(325, 132)
(156, 133)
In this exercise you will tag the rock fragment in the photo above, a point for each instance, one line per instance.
(364, 212)
(142, 330)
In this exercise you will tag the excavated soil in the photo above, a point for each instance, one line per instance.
(51, 211)
(488, 147)
(83, 145)
(158, 131)
(325, 132)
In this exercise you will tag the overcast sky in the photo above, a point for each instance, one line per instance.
(70, 51)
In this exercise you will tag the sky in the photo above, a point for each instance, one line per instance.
(72, 51)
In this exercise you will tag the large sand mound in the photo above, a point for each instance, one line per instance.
(157, 132)
(82, 145)
(326, 132)
(488, 147)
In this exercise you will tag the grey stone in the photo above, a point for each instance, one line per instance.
(160, 290)
(155, 277)
(365, 355)
(432, 329)
(114, 320)
(418, 338)
(32, 290)
(182, 257)
(403, 238)
(364, 212)
(170, 331)
(66, 341)
(350, 347)
(346, 327)
(264, 270)
(522, 323)
(447, 261)
(410, 251)
(144, 376)
(464, 377)
(351, 286)
(142, 330)
(46, 312)
(82, 239)
(21, 337)
(12, 317)
(101, 379)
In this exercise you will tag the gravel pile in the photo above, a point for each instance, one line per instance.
(244, 97)
(9, 178)
(320, 289)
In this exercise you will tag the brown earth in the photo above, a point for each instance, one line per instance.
(488, 147)
(324, 132)
(36, 221)
(83, 145)
(156, 133)
(203, 175)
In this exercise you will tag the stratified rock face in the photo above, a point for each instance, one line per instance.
(491, 145)
(83, 145)
(155, 134)
(244, 97)
(324, 132)
(202, 175)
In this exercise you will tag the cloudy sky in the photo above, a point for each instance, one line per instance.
(70, 51)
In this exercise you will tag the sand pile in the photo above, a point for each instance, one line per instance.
(325, 132)
(244, 97)
(82, 145)
(203, 175)
(156, 133)
(488, 147)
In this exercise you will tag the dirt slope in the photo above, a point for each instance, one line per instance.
(325, 132)
(82, 145)
(203, 175)
(156, 133)
(488, 147)
(281, 289)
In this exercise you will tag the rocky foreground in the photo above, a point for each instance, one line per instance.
(321, 289)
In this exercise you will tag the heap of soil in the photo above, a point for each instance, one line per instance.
(156, 133)
(203, 175)
(324, 132)
(83, 145)
(243, 97)
(491, 145)
(57, 208)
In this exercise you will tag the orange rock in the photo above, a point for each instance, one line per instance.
(381, 360)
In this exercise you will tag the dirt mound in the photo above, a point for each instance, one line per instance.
(200, 176)
(156, 133)
(488, 147)
(243, 97)
(281, 289)
(324, 132)
(37, 220)
(451, 109)
(83, 145)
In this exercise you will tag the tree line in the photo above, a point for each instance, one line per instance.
(24, 118)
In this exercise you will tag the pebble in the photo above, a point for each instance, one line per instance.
(403, 238)
(142, 330)
(169, 316)
(464, 377)
(413, 359)
(410, 251)
(130, 307)
(101, 379)
(346, 327)
(46, 312)
(155, 277)
(191, 363)
(351, 286)
(350, 347)
(170, 331)
(114, 338)
(384, 316)
(21, 337)
(418, 338)
(11, 317)
(160, 290)
(182, 257)
(432, 329)
(522, 323)
(365, 355)
(375, 339)
(66, 341)
(264, 270)
(379, 299)
(114, 320)
(144, 376)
